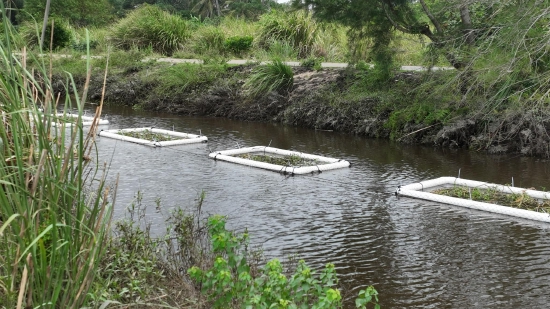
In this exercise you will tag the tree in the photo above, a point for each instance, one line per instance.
(447, 24)
(77, 12)
(207, 8)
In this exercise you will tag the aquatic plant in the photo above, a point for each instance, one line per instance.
(291, 161)
(522, 201)
(53, 220)
(149, 135)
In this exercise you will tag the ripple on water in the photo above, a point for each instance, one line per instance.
(418, 254)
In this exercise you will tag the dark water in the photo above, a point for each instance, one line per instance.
(418, 254)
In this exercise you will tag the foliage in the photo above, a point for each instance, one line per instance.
(298, 28)
(238, 44)
(149, 26)
(63, 35)
(54, 207)
(232, 282)
(77, 12)
(312, 63)
(274, 76)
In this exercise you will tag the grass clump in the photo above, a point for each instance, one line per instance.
(150, 26)
(289, 161)
(274, 76)
(297, 28)
(55, 208)
(492, 196)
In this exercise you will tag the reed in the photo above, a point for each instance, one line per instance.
(55, 206)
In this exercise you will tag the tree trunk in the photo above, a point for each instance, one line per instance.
(467, 24)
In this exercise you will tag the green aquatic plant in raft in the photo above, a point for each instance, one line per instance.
(521, 201)
(149, 135)
(293, 160)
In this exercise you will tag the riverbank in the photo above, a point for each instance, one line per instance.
(413, 107)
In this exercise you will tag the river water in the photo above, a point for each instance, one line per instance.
(417, 254)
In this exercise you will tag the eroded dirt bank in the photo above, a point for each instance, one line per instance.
(322, 100)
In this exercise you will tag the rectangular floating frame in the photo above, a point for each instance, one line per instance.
(186, 138)
(326, 163)
(86, 120)
(417, 190)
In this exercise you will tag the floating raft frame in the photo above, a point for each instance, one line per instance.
(416, 190)
(86, 120)
(326, 163)
(185, 138)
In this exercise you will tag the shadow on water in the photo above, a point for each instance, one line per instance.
(418, 254)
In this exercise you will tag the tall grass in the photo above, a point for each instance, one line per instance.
(297, 28)
(150, 26)
(53, 221)
(274, 76)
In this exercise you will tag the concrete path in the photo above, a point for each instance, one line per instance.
(327, 65)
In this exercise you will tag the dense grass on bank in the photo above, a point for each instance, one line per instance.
(55, 207)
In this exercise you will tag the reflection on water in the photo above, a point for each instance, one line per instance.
(418, 254)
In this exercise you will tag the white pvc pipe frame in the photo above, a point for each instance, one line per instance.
(86, 120)
(416, 190)
(328, 163)
(186, 138)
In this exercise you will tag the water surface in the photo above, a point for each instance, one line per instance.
(418, 254)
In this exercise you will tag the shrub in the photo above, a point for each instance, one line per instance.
(274, 76)
(232, 282)
(238, 44)
(63, 34)
(150, 26)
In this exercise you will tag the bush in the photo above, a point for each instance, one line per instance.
(312, 63)
(63, 34)
(149, 26)
(274, 76)
(238, 44)
(232, 282)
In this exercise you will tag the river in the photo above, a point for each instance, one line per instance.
(417, 254)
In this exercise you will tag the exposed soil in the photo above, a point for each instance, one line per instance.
(308, 105)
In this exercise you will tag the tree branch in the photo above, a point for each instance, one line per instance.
(431, 17)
